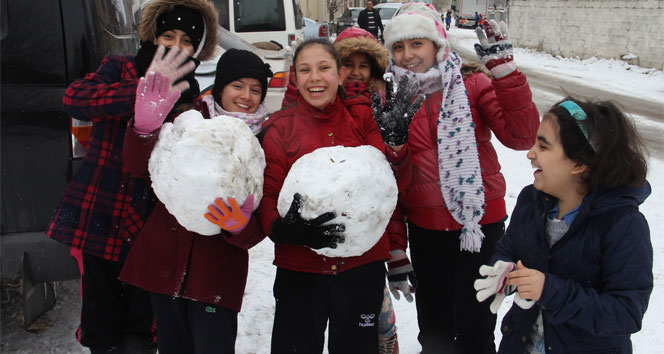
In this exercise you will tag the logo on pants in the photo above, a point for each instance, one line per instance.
(367, 320)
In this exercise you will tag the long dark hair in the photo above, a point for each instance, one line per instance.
(329, 48)
(613, 151)
(326, 44)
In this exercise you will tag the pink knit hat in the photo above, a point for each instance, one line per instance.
(417, 20)
(353, 32)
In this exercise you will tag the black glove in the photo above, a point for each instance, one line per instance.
(292, 229)
(394, 118)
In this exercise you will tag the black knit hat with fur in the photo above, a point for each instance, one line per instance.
(236, 64)
(185, 19)
(147, 28)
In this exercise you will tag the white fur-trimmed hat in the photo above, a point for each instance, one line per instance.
(417, 20)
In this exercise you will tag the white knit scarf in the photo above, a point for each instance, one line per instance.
(458, 160)
(253, 120)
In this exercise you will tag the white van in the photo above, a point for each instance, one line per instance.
(254, 21)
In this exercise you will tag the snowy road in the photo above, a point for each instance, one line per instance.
(550, 87)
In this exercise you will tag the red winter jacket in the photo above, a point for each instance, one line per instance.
(299, 130)
(168, 259)
(358, 103)
(504, 107)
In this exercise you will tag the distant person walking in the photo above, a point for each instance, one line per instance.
(369, 20)
(448, 20)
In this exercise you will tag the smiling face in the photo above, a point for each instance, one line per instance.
(359, 68)
(242, 95)
(417, 55)
(555, 174)
(176, 38)
(317, 76)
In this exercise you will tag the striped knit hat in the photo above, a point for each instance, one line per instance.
(417, 20)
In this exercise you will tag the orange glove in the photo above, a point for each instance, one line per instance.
(233, 220)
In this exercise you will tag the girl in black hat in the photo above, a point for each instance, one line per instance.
(196, 281)
(237, 71)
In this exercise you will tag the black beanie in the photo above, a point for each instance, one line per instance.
(236, 64)
(185, 19)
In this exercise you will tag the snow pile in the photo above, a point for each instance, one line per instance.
(197, 160)
(356, 183)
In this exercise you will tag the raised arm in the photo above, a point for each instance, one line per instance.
(107, 93)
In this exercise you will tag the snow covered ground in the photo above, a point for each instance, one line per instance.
(255, 320)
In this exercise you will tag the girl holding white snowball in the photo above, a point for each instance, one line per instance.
(196, 280)
(311, 289)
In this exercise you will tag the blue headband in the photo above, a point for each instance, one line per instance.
(578, 114)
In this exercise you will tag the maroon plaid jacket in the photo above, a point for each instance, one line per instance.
(102, 208)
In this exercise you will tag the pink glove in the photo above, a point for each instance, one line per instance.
(171, 65)
(233, 220)
(152, 102)
(495, 48)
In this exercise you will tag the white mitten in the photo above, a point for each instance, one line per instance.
(493, 283)
(523, 303)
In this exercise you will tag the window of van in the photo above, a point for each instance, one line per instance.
(222, 8)
(257, 15)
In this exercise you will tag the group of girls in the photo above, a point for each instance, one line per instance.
(564, 252)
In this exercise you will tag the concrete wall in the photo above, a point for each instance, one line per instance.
(587, 28)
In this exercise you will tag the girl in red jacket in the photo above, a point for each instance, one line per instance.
(450, 186)
(196, 282)
(366, 59)
(310, 289)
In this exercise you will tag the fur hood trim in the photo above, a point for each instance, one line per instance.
(366, 45)
(474, 67)
(148, 25)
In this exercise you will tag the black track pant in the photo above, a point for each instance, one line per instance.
(192, 327)
(114, 314)
(450, 318)
(350, 301)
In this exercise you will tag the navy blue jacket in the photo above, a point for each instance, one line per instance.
(598, 276)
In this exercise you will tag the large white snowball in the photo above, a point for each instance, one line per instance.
(197, 160)
(356, 183)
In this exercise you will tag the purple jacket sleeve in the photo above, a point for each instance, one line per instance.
(249, 237)
(136, 151)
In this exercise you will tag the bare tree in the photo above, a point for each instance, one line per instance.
(332, 7)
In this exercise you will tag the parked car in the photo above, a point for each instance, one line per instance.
(466, 10)
(313, 29)
(280, 21)
(348, 18)
(465, 22)
(387, 11)
(279, 60)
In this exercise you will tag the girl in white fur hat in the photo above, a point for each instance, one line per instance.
(450, 186)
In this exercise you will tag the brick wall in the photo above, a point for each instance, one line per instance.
(587, 28)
